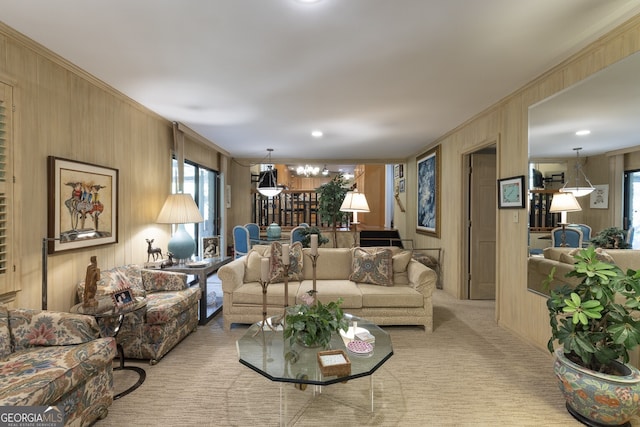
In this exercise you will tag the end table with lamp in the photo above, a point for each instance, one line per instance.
(105, 312)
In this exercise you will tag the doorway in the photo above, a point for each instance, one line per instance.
(632, 207)
(481, 224)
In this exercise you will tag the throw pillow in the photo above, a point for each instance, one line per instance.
(252, 266)
(400, 263)
(373, 267)
(295, 262)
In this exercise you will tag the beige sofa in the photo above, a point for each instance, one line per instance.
(539, 267)
(407, 301)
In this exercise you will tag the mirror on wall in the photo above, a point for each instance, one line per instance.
(607, 105)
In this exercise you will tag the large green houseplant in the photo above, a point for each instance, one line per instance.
(596, 324)
(611, 238)
(330, 198)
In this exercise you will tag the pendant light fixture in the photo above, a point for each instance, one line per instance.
(268, 186)
(577, 189)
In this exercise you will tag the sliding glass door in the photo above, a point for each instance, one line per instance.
(203, 185)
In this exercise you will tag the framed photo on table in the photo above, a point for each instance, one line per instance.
(511, 192)
(82, 204)
(122, 297)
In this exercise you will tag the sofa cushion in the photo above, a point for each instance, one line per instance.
(332, 264)
(276, 267)
(154, 280)
(39, 376)
(400, 263)
(251, 294)
(164, 306)
(601, 255)
(5, 337)
(115, 278)
(35, 328)
(373, 266)
(331, 290)
(397, 296)
(252, 269)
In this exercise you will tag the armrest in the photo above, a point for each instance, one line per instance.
(421, 278)
(159, 280)
(232, 275)
(32, 328)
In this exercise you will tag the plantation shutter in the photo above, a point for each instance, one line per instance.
(6, 185)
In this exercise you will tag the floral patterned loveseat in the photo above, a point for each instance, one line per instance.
(58, 359)
(170, 315)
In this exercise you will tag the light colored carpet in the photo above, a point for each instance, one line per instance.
(468, 372)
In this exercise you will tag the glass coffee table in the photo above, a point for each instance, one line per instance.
(266, 352)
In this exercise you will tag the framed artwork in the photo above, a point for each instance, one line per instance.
(401, 170)
(122, 297)
(428, 170)
(401, 186)
(599, 198)
(396, 171)
(82, 204)
(210, 247)
(511, 192)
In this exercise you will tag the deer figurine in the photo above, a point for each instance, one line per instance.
(153, 252)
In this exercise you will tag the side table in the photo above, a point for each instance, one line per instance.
(201, 269)
(106, 310)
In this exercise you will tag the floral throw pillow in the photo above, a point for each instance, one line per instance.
(295, 262)
(373, 267)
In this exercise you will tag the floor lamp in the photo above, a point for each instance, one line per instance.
(354, 202)
(563, 203)
(45, 269)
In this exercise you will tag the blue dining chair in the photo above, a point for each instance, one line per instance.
(241, 242)
(254, 232)
(296, 234)
(572, 237)
(586, 232)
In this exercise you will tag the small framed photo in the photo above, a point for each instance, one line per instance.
(401, 186)
(210, 247)
(401, 170)
(396, 171)
(511, 192)
(122, 297)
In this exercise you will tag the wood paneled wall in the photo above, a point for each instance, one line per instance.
(516, 309)
(63, 111)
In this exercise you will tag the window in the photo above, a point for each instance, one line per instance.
(6, 190)
(203, 185)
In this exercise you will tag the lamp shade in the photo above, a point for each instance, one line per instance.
(354, 202)
(564, 202)
(180, 209)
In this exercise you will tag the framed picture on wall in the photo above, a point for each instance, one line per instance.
(428, 171)
(82, 204)
(511, 192)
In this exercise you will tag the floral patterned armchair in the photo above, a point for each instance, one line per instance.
(171, 312)
(58, 359)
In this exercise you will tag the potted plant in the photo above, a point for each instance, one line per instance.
(611, 238)
(306, 236)
(596, 323)
(330, 198)
(312, 323)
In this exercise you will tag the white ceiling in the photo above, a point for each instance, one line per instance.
(381, 78)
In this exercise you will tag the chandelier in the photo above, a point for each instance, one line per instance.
(577, 190)
(267, 186)
(307, 170)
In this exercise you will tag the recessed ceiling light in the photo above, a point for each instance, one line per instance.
(583, 132)
(308, 1)
(317, 134)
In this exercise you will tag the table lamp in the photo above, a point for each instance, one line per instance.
(180, 209)
(563, 203)
(354, 202)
